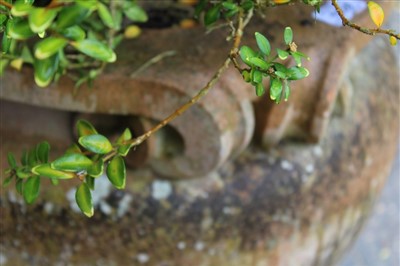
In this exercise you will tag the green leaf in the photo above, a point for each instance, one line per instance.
(296, 73)
(26, 55)
(7, 181)
(49, 47)
(260, 90)
(247, 5)
(19, 29)
(42, 151)
(123, 150)
(3, 18)
(116, 172)
(32, 158)
(5, 45)
(275, 88)
(74, 33)
(126, 135)
(89, 4)
(246, 53)
(246, 76)
(257, 76)
(45, 70)
(96, 143)
(281, 68)
(22, 173)
(41, 18)
(135, 13)
(74, 162)
(24, 158)
(74, 148)
(85, 128)
(95, 49)
(229, 5)
(96, 169)
(280, 74)
(105, 15)
(83, 198)
(297, 56)
(288, 35)
(212, 15)
(19, 185)
(90, 181)
(31, 189)
(71, 15)
(11, 160)
(263, 44)
(282, 54)
(20, 8)
(287, 91)
(47, 171)
(258, 62)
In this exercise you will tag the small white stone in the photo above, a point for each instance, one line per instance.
(3, 259)
(286, 165)
(48, 207)
(105, 207)
(124, 205)
(309, 168)
(161, 189)
(142, 258)
(181, 245)
(199, 246)
(318, 151)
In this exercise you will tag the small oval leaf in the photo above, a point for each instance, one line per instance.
(275, 88)
(258, 62)
(11, 160)
(392, 40)
(73, 162)
(96, 143)
(282, 54)
(19, 30)
(41, 18)
(288, 35)
(105, 15)
(20, 8)
(257, 76)
(246, 53)
(74, 33)
(260, 90)
(83, 198)
(116, 172)
(45, 70)
(134, 12)
(49, 47)
(42, 151)
(296, 73)
(46, 170)
(71, 15)
(85, 128)
(376, 13)
(263, 44)
(95, 49)
(31, 189)
(212, 15)
(96, 169)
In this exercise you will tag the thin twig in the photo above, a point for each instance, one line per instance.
(350, 24)
(206, 88)
(152, 61)
(6, 4)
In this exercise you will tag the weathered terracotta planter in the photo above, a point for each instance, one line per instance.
(300, 202)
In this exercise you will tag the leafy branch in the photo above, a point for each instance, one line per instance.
(377, 15)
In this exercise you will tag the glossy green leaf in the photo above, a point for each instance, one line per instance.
(49, 47)
(3, 19)
(263, 44)
(45, 70)
(288, 35)
(135, 13)
(89, 4)
(31, 189)
(21, 8)
(85, 128)
(123, 150)
(96, 143)
(7, 181)
(212, 15)
(246, 76)
(19, 29)
(297, 56)
(105, 15)
(257, 76)
(32, 157)
(247, 5)
(71, 15)
(74, 33)
(42, 151)
(11, 160)
(296, 73)
(96, 169)
(116, 172)
(260, 90)
(281, 68)
(258, 62)
(280, 74)
(46, 170)
(41, 18)
(95, 49)
(246, 53)
(72, 162)
(23, 173)
(126, 135)
(5, 44)
(90, 181)
(282, 54)
(26, 55)
(275, 88)
(83, 198)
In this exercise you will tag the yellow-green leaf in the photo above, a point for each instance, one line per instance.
(19, 30)
(116, 172)
(95, 49)
(45, 70)
(85, 128)
(49, 46)
(376, 13)
(105, 15)
(393, 40)
(84, 199)
(41, 18)
(72, 162)
(31, 189)
(96, 143)
(46, 171)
